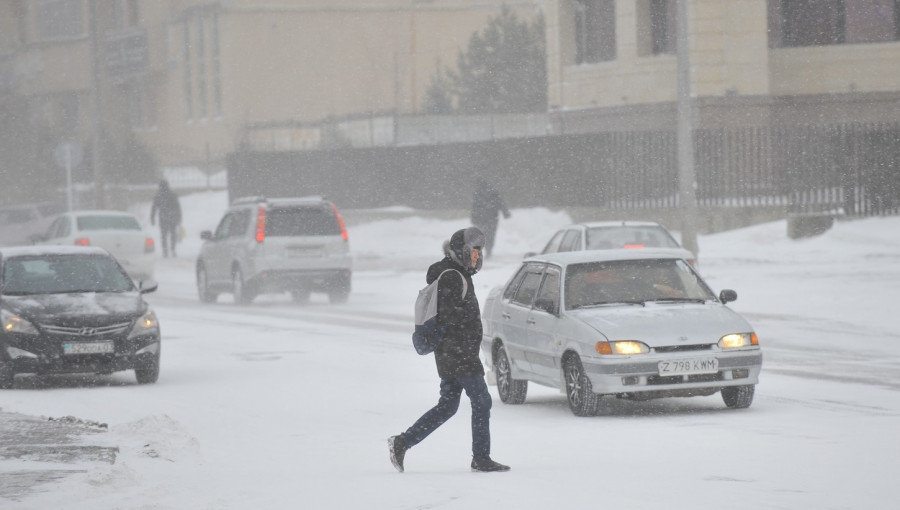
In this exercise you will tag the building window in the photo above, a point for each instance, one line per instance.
(595, 31)
(662, 26)
(217, 66)
(824, 22)
(201, 65)
(59, 20)
(812, 22)
(188, 97)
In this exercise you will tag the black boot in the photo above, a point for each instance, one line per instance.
(397, 448)
(487, 465)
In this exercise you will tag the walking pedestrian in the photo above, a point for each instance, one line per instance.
(166, 204)
(487, 204)
(456, 357)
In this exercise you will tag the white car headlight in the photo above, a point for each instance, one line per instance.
(147, 323)
(12, 323)
(738, 340)
(624, 347)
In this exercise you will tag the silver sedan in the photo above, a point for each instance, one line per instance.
(637, 324)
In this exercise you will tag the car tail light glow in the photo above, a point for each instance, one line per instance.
(149, 245)
(633, 246)
(340, 222)
(261, 224)
(83, 241)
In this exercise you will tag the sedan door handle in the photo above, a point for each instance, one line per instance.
(505, 315)
(530, 321)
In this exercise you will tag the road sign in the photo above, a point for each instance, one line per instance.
(68, 154)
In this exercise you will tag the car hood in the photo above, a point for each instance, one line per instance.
(97, 307)
(665, 324)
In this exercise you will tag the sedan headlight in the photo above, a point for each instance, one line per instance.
(147, 323)
(12, 323)
(738, 340)
(622, 347)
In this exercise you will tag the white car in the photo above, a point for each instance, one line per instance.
(119, 233)
(610, 235)
(635, 324)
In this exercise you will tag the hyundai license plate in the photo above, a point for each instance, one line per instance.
(304, 252)
(89, 347)
(689, 366)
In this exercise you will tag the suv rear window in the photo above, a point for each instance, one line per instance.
(301, 221)
(107, 223)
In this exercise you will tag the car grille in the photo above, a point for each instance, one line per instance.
(112, 329)
(684, 348)
(654, 380)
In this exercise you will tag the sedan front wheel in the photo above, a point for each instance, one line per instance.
(582, 400)
(738, 397)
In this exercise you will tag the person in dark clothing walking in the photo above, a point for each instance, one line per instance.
(456, 357)
(486, 205)
(166, 204)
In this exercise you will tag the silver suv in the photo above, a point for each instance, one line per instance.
(298, 245)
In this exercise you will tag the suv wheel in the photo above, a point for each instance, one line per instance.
(206, 295)
(242, 294)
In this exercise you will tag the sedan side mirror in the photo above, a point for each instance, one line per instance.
(206, 235)
(37, 238)
(546, 305)
(727, 296)
(147, 286)
(530, 254)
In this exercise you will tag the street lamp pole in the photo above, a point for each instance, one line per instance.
(687, 181)
(97, 121)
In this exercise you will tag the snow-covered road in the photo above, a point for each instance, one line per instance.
(277, 405)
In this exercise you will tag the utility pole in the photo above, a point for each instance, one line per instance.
(687, 180)
(97, 121)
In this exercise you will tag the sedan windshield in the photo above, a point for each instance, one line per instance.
(60, 274)
(633, 281)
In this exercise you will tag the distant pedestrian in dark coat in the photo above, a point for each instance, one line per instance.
(458, 364)
(166, 204)
(486, 206)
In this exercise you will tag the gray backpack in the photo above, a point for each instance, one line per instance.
(429, 332)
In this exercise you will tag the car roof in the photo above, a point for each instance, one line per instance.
(100, 212)
(607, 224)
(582, 256)
(280, 201)
(37, 251)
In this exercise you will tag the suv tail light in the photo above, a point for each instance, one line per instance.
(83, 241)
(261, 224)
(149, 245)
(340, 222)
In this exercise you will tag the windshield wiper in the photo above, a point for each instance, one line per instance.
(607, 303)
(679, 300)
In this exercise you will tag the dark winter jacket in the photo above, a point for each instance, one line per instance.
(166, 203)
(457, 354)
(486, 204)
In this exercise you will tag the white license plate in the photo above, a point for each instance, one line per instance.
(689, 366)
(89, 348)
(304, 252)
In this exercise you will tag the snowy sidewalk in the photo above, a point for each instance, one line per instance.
(37, 450)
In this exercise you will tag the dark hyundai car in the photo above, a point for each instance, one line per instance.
(68, 309)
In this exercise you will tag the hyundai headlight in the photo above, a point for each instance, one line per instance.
(147, 323)
(12, 323)
(738, 340)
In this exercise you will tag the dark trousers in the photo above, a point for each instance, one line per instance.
(169, 236)
(451, 391)
(489, 228)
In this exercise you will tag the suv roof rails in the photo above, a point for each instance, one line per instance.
(262, 199)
